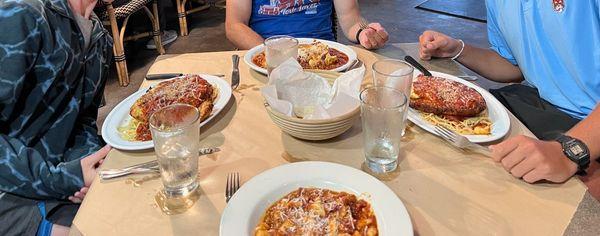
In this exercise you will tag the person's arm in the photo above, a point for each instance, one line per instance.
(348, 14)
(586, 131)
(23, 170)
(237, 16)
(535, 160)
(485, 62)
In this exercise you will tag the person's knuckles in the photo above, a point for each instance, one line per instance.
(532, 177)
(534, 146)
(507, 163)
(429, 33)
(529, 179)
(376, 26)
(518, 171)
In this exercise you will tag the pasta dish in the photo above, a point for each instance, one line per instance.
(450, 104)
(315, 211)
(190, 89)
(316, 55)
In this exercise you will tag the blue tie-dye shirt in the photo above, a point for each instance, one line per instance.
(50, 88)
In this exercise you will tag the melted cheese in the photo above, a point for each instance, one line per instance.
(314, 211)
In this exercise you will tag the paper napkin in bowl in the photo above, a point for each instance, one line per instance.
(294, 92)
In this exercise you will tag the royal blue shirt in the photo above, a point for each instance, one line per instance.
(557, 52)
(298, 18)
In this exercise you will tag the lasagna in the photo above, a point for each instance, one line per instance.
(315, 211)
(316, 56)
(190, 89)
(450, 104)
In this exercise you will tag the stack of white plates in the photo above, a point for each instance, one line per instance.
(314, 129)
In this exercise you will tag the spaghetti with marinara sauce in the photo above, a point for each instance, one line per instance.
(450, 104)
(479, 125)
(316, 56)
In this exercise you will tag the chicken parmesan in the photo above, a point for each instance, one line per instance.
(190, 89)
(315, 211)
(450, 104)
(316, 56)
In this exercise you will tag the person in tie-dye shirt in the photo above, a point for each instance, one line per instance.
(54, 61)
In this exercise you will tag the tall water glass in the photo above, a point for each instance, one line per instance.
(176, 134)
(383, 117)
(278, 49)
(395, 74)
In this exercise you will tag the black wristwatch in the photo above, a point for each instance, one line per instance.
(576, 151)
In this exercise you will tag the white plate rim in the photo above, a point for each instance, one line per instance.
(352, 56)
(253, 197)
(121, 111)
(500, 127)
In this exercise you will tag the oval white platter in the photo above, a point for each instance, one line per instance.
(496, 111)
(342, 48)
(249, 203)
(119, 116)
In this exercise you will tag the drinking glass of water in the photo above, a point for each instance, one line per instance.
(396, 74)
(176, 134)
(383, 117)
(279, 49)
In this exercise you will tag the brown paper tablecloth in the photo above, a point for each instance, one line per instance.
(445, 190)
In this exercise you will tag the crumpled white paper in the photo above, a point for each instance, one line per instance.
(294, 92)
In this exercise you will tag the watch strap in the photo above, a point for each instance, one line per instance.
(583, 163)
(358, 35)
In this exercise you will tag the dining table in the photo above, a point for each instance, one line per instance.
(446, 191)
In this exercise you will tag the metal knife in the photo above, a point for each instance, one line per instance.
(201, 152)
(162, 76)
(417, 65)
(235, 74)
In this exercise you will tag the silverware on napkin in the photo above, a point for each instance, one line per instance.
(146, 167)
(235, 73)
(115, 173)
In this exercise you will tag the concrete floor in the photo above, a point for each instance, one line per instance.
(402, 20)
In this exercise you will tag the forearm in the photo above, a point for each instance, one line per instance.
(348, 14)
(24, 172)
(490, 65)
(587, 131)
(242, 36)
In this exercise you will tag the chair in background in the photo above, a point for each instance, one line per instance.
(125, 8)
(182, 12)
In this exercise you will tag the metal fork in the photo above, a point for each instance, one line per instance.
(232, 186)
(460, 141)
(111, 174)
(363, 23)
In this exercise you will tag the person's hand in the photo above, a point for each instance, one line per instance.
(436, 44)
(90, 163)
(534, 160)
(79, 195)
(373, 37)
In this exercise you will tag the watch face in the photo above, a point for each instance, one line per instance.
(575, 150)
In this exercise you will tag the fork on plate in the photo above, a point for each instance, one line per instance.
(460, 141)
(232, 185)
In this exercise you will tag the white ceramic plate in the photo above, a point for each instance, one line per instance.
(249, 203)
(120, 115)
(496, 112)
(342, 48)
